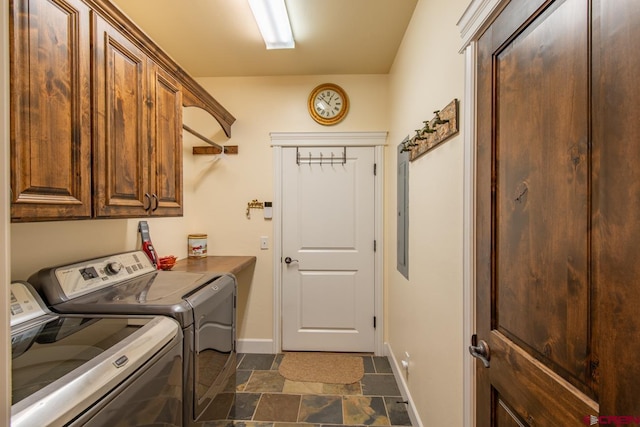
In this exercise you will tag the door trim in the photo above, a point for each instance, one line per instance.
(475, 19)
(469, 236)
(279, 140)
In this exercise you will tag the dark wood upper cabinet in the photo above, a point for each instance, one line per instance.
(121, 158)
(138, 117)
(96, 115)
(50, 110)
(166, 136)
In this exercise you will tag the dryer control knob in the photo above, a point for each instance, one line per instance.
(113, 268)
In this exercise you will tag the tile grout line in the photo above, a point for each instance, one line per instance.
(256, 408)
(386, 409)
(299, 409)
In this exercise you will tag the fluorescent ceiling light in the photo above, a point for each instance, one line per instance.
(273, 21)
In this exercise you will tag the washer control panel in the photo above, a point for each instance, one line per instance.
(24, 305)
(88, 276)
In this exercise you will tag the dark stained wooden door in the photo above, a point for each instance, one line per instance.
(558, 196)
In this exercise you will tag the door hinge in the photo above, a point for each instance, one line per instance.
(374, 322)
(375, 169)
(375, 245)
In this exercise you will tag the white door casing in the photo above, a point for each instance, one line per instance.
(330, 313)
(471, 24)
(328, 233)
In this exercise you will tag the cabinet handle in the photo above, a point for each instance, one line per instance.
(157, 202)
(147, 197)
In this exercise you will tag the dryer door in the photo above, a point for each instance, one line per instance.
(214, 329)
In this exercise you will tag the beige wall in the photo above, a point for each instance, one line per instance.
(425, 312)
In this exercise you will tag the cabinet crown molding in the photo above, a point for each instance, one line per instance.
(194, 95)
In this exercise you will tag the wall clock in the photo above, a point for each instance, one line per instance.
(328, 104)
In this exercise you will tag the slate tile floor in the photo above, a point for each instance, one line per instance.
(264, 398)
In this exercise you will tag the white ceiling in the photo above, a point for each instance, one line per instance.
(214, 38)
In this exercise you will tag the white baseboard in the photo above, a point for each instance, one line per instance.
(404, 388)
(263, 346)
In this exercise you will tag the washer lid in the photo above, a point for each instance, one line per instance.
(128, 276)
(160, 288)
(159, 293)
(172, 286)
(70, 363)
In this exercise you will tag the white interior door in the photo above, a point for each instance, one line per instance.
(328, 232)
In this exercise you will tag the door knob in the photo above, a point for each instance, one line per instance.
(480, 350)
(288, 260)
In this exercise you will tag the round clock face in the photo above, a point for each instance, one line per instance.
(328, 104)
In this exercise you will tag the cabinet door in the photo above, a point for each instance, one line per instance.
(166, 142)
(50, 110)
(121, 161)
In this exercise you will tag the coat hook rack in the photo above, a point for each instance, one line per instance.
(254, 204)
(441, 127)
(212, 148)
(321, 159)
(427, 128)
(407, 144)
(437, 120)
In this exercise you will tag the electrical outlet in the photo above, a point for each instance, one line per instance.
(264, 242)
(405, 363)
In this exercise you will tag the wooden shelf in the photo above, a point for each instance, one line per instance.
(208, 149)
(212, 148)
(220, 264)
